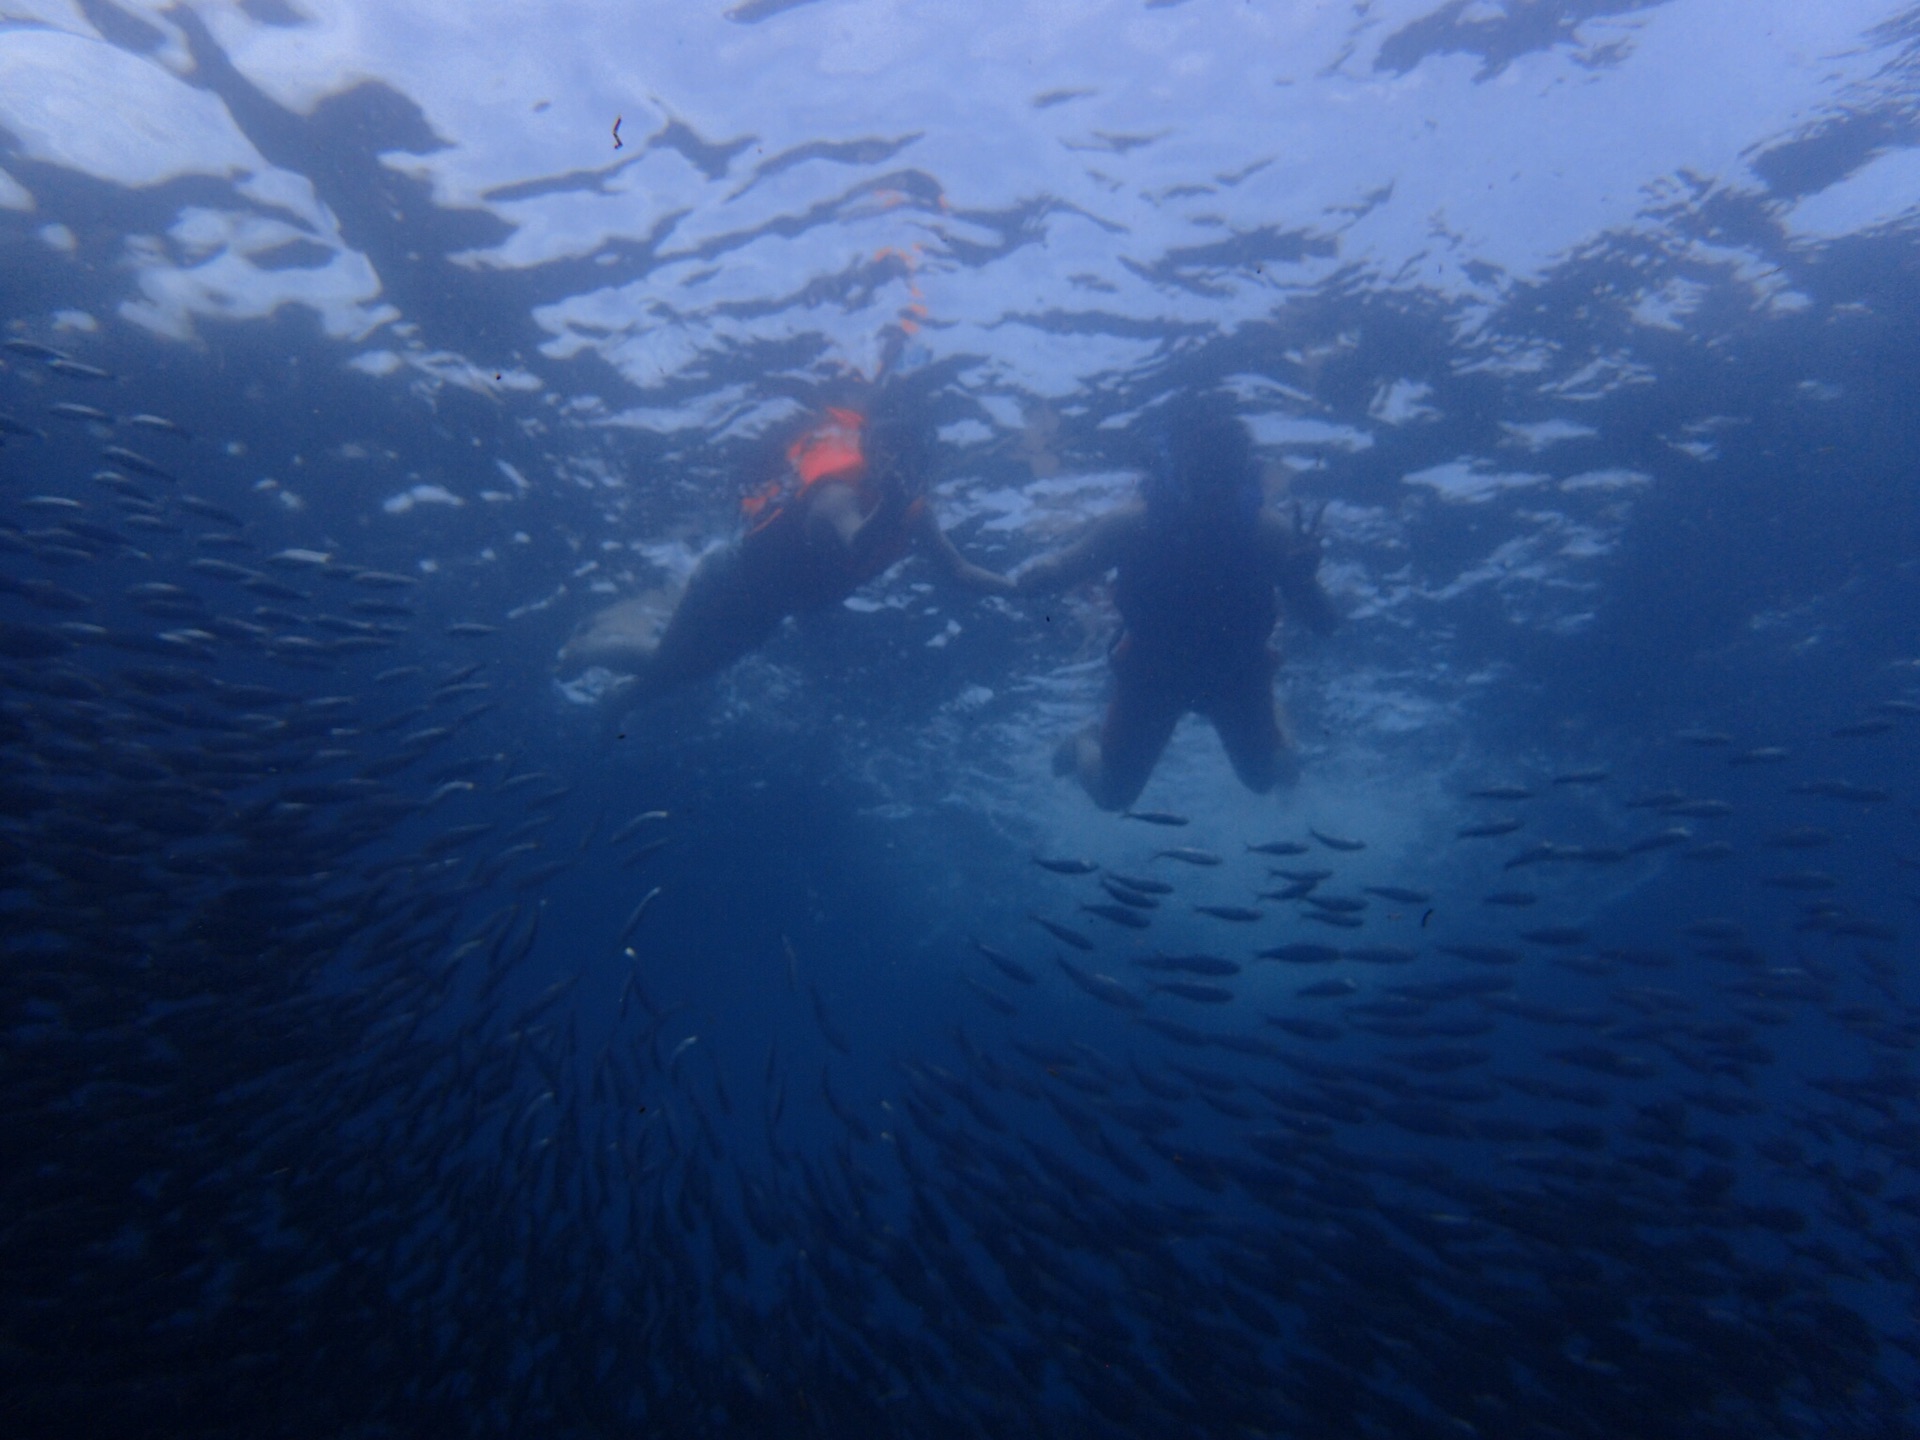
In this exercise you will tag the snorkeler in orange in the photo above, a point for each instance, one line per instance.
(1199, 567)
(847, 507)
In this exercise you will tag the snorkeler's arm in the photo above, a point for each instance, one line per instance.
(1092, 555)
(955, 566)
(1296, 548)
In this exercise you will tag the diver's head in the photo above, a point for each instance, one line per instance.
(1202, 463)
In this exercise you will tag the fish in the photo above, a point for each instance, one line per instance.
(1556, 935)
(1483, 954)
(994, 1000)
(1487, 829)
(1594, 854)
(1305, 1027)
(1398, 894)
(1280, 847)
(1330, 917)
(652, 847)
(1337, 842)
(632, 922)
(1061, 933)
(1327, 989)
(212, 511)
(1123, 915)
(1005, 964)
(1661, 840)
(1860, 729)
(1803, 880)
(1698, 809)
(1761, 755)
(1196, 991)
(525, 777)
(21, 641)
(223, 569)
(32, 349)
(1706, 739)
(1155, 817)
(1104, 988)
(631, 827)
(78, 369)
(1803, 837)
(140, 465)
(1381, 954)
(1337, 904)
(1843, 790)
(1061, 866)
(1141, 884)
(1860, 927)
(1441, 1059)
(1188, 855)
(471, 629)
(1302, 952)
(1501, 792)
(1127, 896)
(383, 580)
(87, 414)
(1510, 898)
(1298, 890)
(1656, 800)
(1605, 1060)
(1240, 914)
(1545, 850)
(10, 426)
(1213, 965)
(1181, 1035)
(1713, 928)
(830, 1032)
(161, 424)
(1592, 776)
(291, 559)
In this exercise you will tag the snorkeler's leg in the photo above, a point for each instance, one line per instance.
(721, 616)
(1115, 762)
(1252, 725)
(619, 638)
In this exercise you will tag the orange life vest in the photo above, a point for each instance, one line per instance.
(830, 449)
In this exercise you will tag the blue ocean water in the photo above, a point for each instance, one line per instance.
(396, 1045)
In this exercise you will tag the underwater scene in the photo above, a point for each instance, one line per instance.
(834, 718)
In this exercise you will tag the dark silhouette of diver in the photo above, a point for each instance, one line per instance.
(848, 505)
(1199, 564)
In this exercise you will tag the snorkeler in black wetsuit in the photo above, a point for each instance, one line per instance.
(846, 511)
(1200, 567)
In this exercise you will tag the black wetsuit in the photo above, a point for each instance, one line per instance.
(1198, 607)
(738, 595)
(1195, 601)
